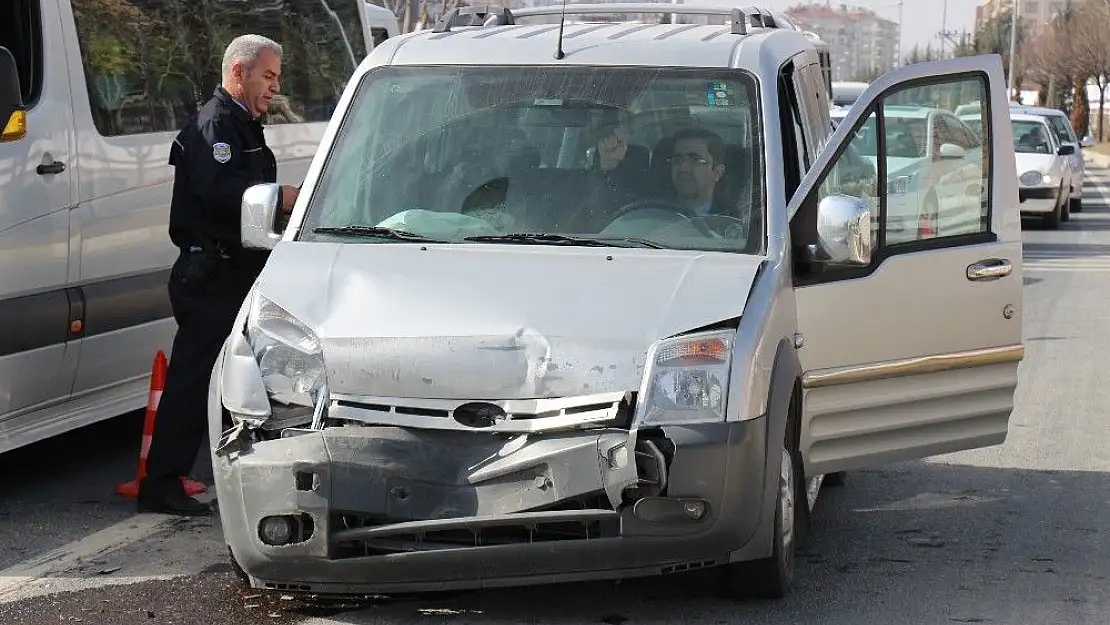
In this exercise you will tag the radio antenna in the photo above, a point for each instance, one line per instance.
(559, 54)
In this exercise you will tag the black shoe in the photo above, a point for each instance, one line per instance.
(167, 497)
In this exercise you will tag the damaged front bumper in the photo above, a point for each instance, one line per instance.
(385, 495)
(378, 509)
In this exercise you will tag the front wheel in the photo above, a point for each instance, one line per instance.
(772, 577)
(1076, 204)
(1051, 221)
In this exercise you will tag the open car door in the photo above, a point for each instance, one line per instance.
(911, 345)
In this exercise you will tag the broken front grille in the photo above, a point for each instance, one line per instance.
(520, 415)
(358, 536)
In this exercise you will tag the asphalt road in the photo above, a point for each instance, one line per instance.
(1013, 534)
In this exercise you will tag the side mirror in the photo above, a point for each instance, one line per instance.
(952, 151)
(13, 121)
(843, 231)
(1066, 150)
(258, 217)
(1088, 142)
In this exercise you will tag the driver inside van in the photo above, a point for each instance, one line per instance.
(697, 164)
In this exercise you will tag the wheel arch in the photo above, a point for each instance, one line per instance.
(784, 390)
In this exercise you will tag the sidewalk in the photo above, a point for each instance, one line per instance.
(1097, 159)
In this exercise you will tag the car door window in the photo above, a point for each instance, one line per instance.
(21, 34)
(1062, 129)
(916, 202)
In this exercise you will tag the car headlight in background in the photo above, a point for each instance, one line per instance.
(687, 380)
(1034, 178)
(289, 353)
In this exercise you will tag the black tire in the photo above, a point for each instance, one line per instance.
(834, 479)
(1065, 207)
(1076, 204)
(773, 577)
(1051, 221)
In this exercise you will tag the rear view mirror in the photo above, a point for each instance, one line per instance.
(258, 217)
(1066, 150)
(1088, 142)
(843, 231)
(13, 120)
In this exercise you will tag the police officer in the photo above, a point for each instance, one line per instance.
(217, 155)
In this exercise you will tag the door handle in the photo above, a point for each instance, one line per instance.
(56, 167)
(989, 269)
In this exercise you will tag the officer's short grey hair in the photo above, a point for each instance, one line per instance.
(247, 48)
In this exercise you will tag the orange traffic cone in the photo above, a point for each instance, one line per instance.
(927, 227)
(130, 489)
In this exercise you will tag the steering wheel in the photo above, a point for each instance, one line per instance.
(722, 225)
(648, 204)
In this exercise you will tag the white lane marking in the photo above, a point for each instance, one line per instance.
(67, 557)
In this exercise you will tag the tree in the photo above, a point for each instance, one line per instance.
(1090, 50)
(917, 55)
(993, 37)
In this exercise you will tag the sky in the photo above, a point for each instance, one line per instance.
(921, 19)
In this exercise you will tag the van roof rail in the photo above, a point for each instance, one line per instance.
(475, 15)
(741, 18)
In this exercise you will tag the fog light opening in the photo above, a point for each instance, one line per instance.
(285, 529)
(695, 509)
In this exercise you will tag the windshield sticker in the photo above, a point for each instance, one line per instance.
(548, 102)
(718, 94)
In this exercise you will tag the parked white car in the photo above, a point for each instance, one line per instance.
(1043, 169)
(1060, 125)
(933, 172)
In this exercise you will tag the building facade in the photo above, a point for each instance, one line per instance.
(1032, 12)
(864, 44)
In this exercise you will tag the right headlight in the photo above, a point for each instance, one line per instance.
(687, 380)
(289, 354)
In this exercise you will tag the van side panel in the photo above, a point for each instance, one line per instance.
(35, 365)
(123, 253)
(127, 110)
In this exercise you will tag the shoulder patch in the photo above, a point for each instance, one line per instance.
(221, 152)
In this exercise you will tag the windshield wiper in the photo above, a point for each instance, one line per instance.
(545, 238)
(378, 232)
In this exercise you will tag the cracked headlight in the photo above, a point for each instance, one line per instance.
(687, 380)
(289, 353)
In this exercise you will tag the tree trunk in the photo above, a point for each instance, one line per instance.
(1081, 108)
(1101, 107)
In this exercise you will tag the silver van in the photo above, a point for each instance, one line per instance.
(596, 299)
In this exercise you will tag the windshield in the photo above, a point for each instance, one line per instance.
(906, 137)
(1030, 138)
(974, 124)
(648, 157)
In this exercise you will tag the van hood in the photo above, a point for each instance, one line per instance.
(497, 322)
